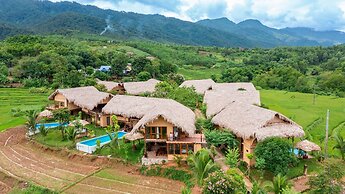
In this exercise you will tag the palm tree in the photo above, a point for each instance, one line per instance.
(202, 164)
(340, 144)
(31, 120)
(279, 184)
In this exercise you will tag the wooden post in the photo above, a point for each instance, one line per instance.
(326, 138)
(305, 170)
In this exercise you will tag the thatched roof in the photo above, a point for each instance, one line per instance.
(108, 84)
(307, 146)
(250, 121)
(201, 86)
(149, 109)
(134, 88)
(223, 94)
(46, 113)
(85, 97)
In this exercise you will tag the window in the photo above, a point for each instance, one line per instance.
(191, 147)
(62, 104)
(184, 149)
(180, 148)
(171, 149)
(177, 149)
(156, 133)
(108, 120)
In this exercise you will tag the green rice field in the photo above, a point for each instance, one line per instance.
(312, 117)
(18, 98)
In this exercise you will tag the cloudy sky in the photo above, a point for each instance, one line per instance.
(318, 14)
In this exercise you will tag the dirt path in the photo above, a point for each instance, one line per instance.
(300, 184)
(24, 161)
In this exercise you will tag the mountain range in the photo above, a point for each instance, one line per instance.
(45, 17)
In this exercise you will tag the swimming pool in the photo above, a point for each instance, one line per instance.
(90, 145)
(49, 125)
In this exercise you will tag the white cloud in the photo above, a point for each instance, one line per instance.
(319, 14)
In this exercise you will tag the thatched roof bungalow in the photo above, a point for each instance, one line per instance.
(134, 88)
(81, 97)
(222, 94)
(201, 86)
(149, 109)
(251, 123)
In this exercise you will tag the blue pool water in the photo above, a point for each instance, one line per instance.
(49, 125)
(103, 139)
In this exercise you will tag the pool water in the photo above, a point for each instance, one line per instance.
(102, 139)
(50, 125)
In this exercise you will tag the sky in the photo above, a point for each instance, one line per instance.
(318, 14)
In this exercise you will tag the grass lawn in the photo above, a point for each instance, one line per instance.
(124, 151)
(54, 139)
(137, 52)
(18, 98)
(312, 117)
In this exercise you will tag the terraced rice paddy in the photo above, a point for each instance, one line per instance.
(13, 98)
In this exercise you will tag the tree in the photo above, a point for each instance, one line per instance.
(115, 123)
(328, 181)
(118, 64)
(62, 116)
(139, 64)
(219, 182)
(202, 164)
(340, 144)
(221, 138)
(232, 156)
(143, 76)
(31, 120)
(276, 152)
(279, 184)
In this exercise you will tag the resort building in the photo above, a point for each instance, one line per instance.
(167, 126)
(223, 94)
(133, 88)
(86, 99)
(251, 123)
(200, 86)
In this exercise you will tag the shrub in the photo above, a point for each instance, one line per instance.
(44, 130)
(38, 90)
(219, 182)
(219, 138)
(232, 156)
(17, 112)
(178, 160)
(277, 154)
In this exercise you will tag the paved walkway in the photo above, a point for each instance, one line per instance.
(220, 159)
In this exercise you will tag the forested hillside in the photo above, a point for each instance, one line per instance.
(57, 61)
(67, 18)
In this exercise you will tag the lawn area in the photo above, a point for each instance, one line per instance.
(54, 139)
(18, 98)
(205, 73)
(137, 52)
(312, 117)
(124, 151)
